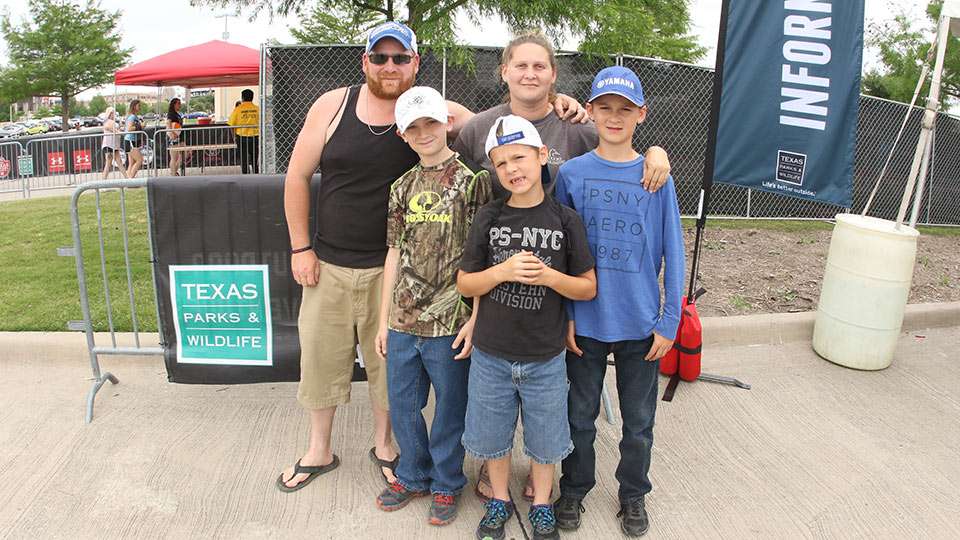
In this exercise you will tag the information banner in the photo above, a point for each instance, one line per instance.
(789, 102)
(222, 314)
(25, 165)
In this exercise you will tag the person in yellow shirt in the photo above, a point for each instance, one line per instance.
(248, 138)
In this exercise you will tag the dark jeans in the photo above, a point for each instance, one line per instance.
(248, 147)
(414, 363)
(637, 387)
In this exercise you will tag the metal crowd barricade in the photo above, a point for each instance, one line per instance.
(11, 179)
(87, 325)
(211, 149)
(63, 161)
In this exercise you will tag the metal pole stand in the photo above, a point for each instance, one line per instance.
(98, 381)
(706, 377)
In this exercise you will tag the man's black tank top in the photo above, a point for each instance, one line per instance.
(356, 171)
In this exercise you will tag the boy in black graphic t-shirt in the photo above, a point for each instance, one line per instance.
(524, 254)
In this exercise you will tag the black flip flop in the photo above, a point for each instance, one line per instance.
(312, 471)
(392, 465)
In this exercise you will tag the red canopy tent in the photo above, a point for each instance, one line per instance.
(215, 63)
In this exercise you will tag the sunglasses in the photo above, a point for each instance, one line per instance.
(379, 59)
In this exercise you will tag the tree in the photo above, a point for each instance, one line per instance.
(98, 104)
(903, 47)
(62, 50)
(203, 103)
(655, 28)
(331, 22)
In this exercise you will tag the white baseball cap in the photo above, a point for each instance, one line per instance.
(420, 102)
(512, 129)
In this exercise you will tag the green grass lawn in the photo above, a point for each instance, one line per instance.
(40, 291)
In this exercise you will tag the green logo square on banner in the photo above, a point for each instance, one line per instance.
(222, 314)
(25, 165)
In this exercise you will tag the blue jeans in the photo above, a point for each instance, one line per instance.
(432, 463)
(637, 388)
(499, 390)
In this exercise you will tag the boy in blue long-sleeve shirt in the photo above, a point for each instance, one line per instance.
(633, 234)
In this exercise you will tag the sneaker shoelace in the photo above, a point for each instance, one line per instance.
(567, 505)
(496, 514)
(543, 519)
(633, 509)
(443, 500)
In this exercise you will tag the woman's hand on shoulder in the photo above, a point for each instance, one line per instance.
(570, 109)
(656, 168)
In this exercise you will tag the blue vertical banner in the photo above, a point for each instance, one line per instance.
(789, 102)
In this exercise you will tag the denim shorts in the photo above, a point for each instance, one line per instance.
(500, 389)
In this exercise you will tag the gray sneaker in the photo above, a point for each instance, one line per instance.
(633, 518)
(443, 509)
(567, 509)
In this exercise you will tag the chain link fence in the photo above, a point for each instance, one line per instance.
(679, 97)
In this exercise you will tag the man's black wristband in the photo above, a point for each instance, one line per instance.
(300, 250)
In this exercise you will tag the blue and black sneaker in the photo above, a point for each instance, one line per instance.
(543, 521)
(491, 526)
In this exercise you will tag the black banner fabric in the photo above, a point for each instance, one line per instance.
(218, 220)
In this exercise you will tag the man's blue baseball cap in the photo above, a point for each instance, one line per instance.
(395, 30)
(620, 81)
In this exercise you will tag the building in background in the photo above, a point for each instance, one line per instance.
(226, 97)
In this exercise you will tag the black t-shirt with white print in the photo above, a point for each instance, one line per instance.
(517, 322)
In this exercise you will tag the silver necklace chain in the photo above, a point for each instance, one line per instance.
(374, 133)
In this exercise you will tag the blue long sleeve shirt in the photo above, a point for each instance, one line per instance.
(633, 234)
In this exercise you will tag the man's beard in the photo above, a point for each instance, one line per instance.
(377, 89)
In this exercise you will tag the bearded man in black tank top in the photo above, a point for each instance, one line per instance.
(349, 133)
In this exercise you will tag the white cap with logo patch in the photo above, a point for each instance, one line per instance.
(420, 102)
(512, 129)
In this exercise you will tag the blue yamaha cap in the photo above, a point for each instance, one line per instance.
(395, 30)
(620, 81)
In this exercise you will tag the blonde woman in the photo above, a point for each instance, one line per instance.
(111, 143)
(131, 141)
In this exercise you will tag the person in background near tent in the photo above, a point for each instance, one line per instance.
(110, 147)
(174, 125)
(633, 234)
(528, 66)
(248, 138)
(131, 141)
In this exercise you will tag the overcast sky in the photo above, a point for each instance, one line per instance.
(152, 31)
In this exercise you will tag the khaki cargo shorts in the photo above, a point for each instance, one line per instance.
(342, 310)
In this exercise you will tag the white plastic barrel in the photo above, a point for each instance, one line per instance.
(864, 292)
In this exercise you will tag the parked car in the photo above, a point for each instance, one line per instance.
(75, 122)
(196, 114)
(35, 127)
(151, 116)
(12, 130)
(92, 121)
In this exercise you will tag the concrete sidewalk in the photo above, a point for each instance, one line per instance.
(814, 450)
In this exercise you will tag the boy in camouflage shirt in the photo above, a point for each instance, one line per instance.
(425, 326)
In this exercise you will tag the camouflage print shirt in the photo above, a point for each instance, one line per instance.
(428, 220)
